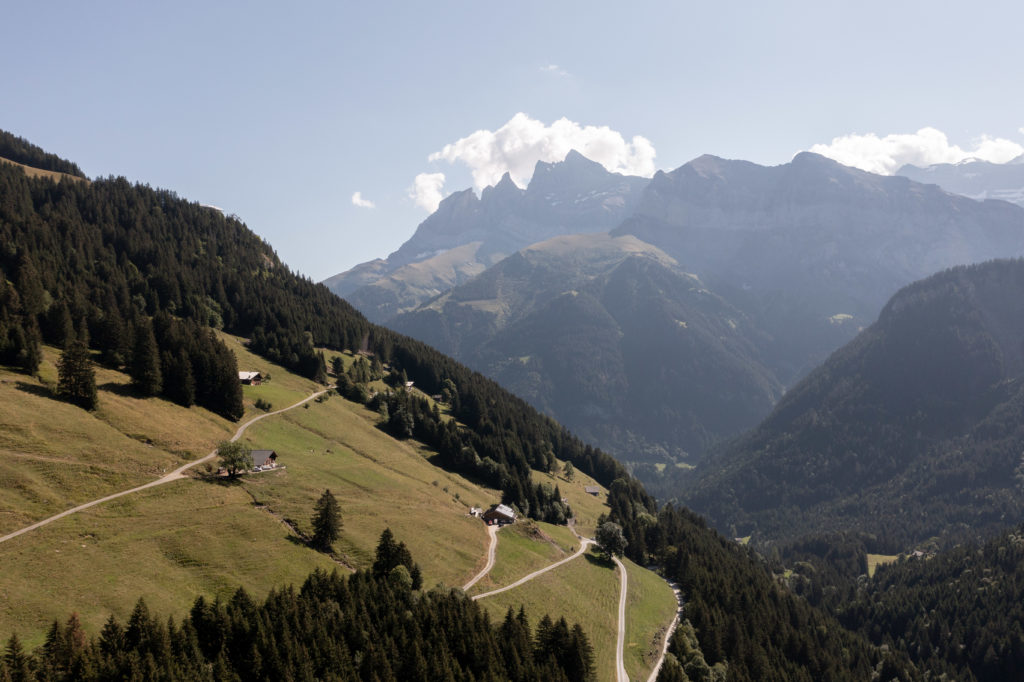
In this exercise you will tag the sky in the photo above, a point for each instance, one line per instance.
(332, 128)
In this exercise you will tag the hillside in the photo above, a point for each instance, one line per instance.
(610, 338)
(922, 412)
(78, 259)
(468, 234)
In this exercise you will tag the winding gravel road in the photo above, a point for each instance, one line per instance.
(173, 476)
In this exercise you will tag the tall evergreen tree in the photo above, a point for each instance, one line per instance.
(145, 363)
(326, 522)
(76, 380)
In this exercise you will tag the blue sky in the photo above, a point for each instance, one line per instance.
(280, 113)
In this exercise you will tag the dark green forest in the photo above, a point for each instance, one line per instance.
(22, 151)
(912, 430)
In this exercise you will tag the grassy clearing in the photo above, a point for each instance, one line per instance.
(523, 548)
(378, 481)
(586, 507)
(170, 544)
(197, 537)
(54, 456)
(32, 172)
(876, 560)
(584, 591)
(650, 608)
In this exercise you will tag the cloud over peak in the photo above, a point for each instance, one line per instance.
(358, 200)
(885, 155)
(427, 190)
(517, 146)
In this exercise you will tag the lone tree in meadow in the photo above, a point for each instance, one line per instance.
(234, 457)
(610, 539)
(326, 522)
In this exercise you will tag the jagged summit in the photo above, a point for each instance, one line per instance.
(572, 196)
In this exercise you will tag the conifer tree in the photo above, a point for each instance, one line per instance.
(145, 363)
(326, 522)
(76, 380)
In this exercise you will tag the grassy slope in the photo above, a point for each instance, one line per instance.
(585, 591)
(54, 456)
(585, 507)
(523, 548)
(650, 607)
(193, 537)
(32, 172)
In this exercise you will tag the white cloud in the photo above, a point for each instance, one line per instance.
(927, 146)
(554, 69)
(358, 200)
(517, 146)
(426, 190)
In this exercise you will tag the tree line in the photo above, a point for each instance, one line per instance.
(371, 626)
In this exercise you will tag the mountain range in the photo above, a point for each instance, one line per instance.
(724, 283)
(466, 234)
(974, 178)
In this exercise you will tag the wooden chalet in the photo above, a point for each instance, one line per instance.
(500, 515)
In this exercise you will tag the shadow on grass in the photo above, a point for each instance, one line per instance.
(37, 390)
(599, 560)
(223, 481)
(124, 390)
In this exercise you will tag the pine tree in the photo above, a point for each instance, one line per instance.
(326, 522)
(76, 380)
(145, 363)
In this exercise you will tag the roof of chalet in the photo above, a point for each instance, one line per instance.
(504, 510)
(243, 376)
(592, 489)
(261, 456)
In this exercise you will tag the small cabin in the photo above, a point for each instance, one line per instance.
(500, 515)
(250, 378)
(592, 490)
(264, 459)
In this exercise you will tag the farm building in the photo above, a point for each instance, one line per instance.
(264, 458)
(499, 514)
(592, 490)
(250, 378)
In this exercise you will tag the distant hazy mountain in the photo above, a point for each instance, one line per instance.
(467, 234)
(812, 249)
(974, 178)
(913, 429)
(611, 338)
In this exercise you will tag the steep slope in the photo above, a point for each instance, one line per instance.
(467, 234)
(109, 251)
(813, 249)
(911, 430)
(610, 338)
(974, 178)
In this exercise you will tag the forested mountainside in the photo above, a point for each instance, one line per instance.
(110, 250)
(610, 338)
(913, 429)
(959, 613)
(466, 234)
(125, 259)
(811, 249)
